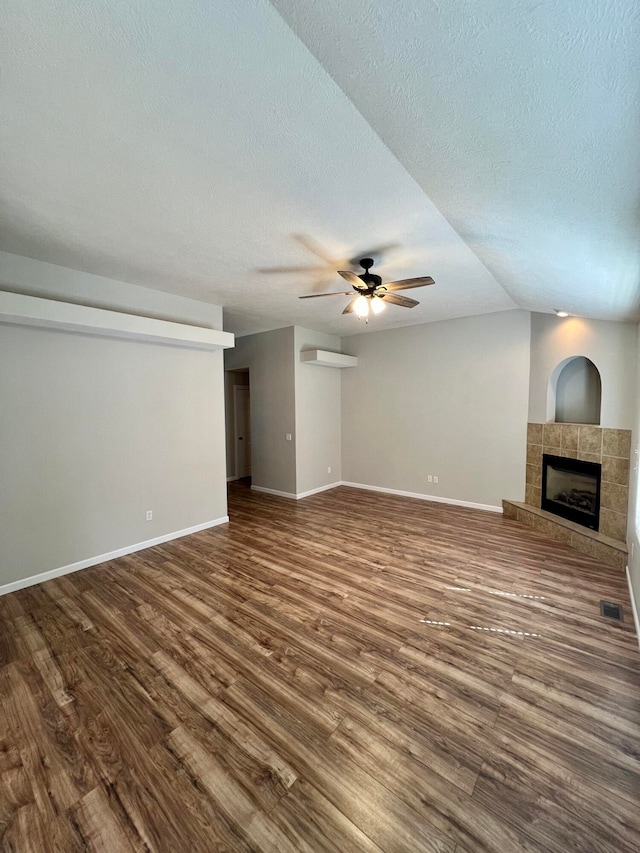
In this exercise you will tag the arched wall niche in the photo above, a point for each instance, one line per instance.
(574, 392)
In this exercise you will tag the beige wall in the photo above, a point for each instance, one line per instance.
(445, 398)
(269, 359)
(318, 429)
(96, 430)
(288, 396)
(610, 346)
(633, 526)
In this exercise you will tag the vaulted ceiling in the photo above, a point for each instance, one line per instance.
(240, 153)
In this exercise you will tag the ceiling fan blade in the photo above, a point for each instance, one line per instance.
(351, 306)
(315, 248)
(352, 278)
(335, 293)
(406, 283)
(398, 300)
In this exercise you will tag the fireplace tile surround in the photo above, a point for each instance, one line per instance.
(609, 447)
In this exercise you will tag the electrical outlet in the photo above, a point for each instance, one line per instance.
(149, 515)
(435, 478)
(329, 469)
(287, 436)
(429, 478)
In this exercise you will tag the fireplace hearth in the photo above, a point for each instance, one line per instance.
(571, 489)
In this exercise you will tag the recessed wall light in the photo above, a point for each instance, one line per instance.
(562, 313)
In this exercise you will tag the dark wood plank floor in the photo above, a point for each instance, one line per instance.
(353, 672)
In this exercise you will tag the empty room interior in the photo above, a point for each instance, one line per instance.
(319, 426)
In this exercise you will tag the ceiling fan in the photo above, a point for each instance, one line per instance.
(372, 293)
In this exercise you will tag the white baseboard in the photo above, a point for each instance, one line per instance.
(320, 489)
(418, 495)
(231, 479)
(275, 492)
(421, 497)
(299, 495)
(634, 609)
(104, 558)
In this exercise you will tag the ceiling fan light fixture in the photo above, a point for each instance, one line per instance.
(561, 313)
(370, 291)
(377, 305)
(361, 306)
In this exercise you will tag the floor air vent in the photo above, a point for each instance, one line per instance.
(610, 610)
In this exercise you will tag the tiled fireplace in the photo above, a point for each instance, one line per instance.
(609, 448)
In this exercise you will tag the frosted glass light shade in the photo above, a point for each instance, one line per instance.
(362, 306)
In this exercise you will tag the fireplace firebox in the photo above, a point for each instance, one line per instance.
(571, 489)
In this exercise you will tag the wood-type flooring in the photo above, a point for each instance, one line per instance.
(350, 672)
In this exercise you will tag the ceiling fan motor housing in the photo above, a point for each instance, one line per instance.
(370, 279)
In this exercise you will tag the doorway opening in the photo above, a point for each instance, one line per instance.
(238, 424)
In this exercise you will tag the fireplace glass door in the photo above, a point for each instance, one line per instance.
(571, 489)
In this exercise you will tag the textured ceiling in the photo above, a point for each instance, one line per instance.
(205, 149)
(520, 120)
